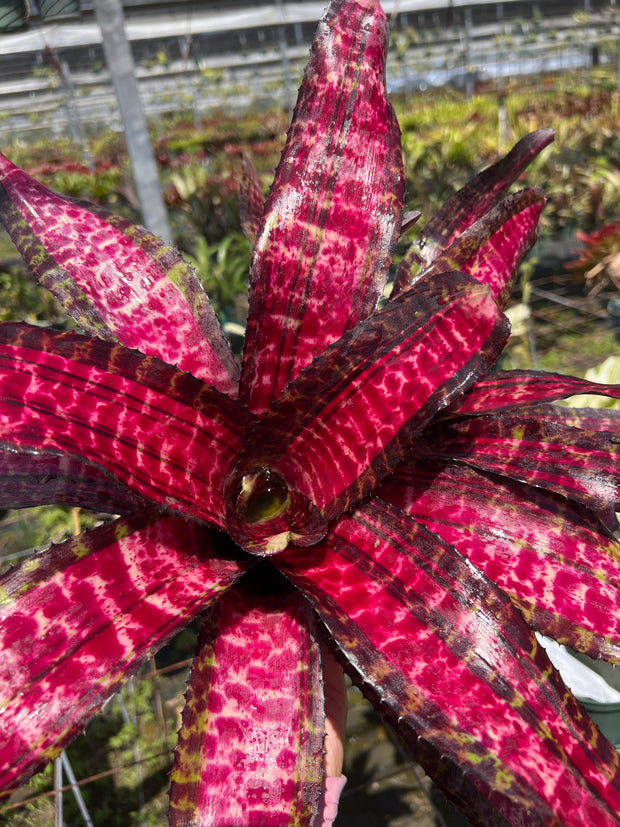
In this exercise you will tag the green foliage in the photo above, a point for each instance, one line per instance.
(222, 136)
(30, 528)
(123, 739)
(570, 346)
(128, 752)
(98, 185)
(446, 137)
(202, 203)
(222, 267)
(212, 74)
(21, 298)
(39, 812)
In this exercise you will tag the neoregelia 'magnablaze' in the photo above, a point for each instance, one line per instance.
(364, 479)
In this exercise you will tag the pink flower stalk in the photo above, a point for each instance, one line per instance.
(364, 480)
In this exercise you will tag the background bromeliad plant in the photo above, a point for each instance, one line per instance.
(365, 479)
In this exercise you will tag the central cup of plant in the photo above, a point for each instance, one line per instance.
(262, 496)
(265, 514)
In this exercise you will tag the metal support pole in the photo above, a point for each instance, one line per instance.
(66, 765)
(618, 64)
(121, 66)
(58, 792)
(286, 66)
(136, 748)
(469, 78)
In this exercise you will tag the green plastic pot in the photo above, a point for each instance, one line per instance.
(13, 15)
(607, 718)
(58, 9)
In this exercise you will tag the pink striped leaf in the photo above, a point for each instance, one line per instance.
(349, 418)
(44, 476)
(79, 619)
(333, 216)
(558, 564)
(161, 432)
(251, 201)
(492, 249)
(590, 419)
(250, 748)
(117, 280)
(506, 389)
(469, 204)
(581, 465)
(449, 660)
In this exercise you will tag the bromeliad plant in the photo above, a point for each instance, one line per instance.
(364, 479)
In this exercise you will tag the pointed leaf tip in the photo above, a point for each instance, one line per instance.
(469, 204)
(333, 215)
(117, 280)
(492, 248)
(503, 390)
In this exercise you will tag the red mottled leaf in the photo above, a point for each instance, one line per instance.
(251, 201)
(469, 204)
(581, 465)
(508, 388)
(370, 393)
(117, 280)
(449, 660)
(80, 618)
(44, 476)
(250, 747)
(558, 564)
(590, 419)
(159, 431)
(492, 248)
(332, 218)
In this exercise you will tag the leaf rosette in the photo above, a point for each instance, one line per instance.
(365, 480)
